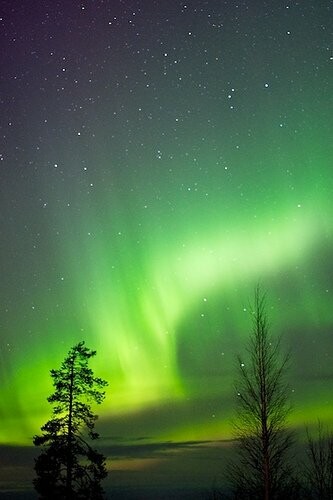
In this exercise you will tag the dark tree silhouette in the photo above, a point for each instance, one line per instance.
(319, 467)
(262, 470)
(68, 467)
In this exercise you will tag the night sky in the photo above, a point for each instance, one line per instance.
(158, 160)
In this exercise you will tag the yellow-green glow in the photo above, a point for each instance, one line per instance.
(150, 179)
(136, 331)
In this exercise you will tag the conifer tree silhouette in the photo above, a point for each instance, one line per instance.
(68, 467)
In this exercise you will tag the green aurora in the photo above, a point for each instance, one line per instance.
(142, 201)
(166, 305)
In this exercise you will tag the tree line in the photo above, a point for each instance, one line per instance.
(70, 468)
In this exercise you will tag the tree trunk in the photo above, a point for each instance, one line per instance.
(69, 468)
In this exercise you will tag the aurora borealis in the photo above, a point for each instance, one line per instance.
(158, 159)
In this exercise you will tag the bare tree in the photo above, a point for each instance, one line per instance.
(262, 469)
(319, 467)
